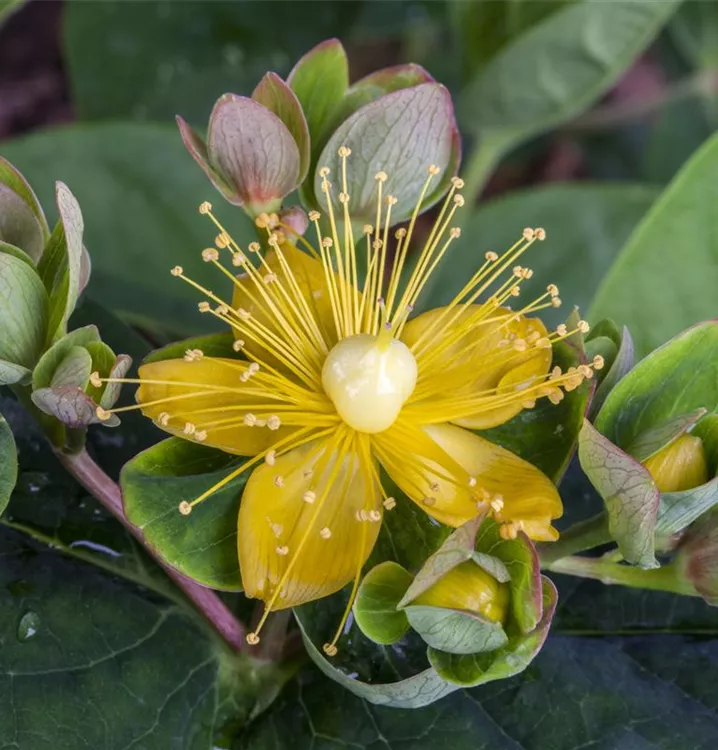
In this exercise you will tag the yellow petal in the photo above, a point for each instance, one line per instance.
(679, 466)
(482, 358)
(480, 473)
(311, 282)
(215, 383)
(308, 549)
(468, 587)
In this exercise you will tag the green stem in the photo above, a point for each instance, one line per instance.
(666, 578)
(579, 537)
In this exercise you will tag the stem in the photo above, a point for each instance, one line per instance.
(579, 537)
(665, 578)
(95, 481)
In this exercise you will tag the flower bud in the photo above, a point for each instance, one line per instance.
(470, 588)
(697, 556)
(679, 466)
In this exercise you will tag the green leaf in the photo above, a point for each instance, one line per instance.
(653, 289)
(202, 546)
(678, 378)
(584, 221)
(51, 360)
(213, 345)
(616, 368)
(454, 631)
(23, 312)
(558, 68)
(656, 438)
(277, 97)
(74, 369)
(375, 608)
(22, 221)
(10, 373)
(629, 492)
(376, 135)
(145, 170)
(71, 406)
(679, 509)
(546, 435)
(8, 464)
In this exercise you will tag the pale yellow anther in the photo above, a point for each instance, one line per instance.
(528, 233)
(491, 256)
(528, 403)
(556, 302)
(222, 240)
(243, 314)
(515, 291)
(457, 182)
(222, 309)
(459, 201)
(309, 496)
(95, 379)
(270, 278)
(329, 649)
(163, 418)
(508, 531)
(343, 197)
(454, 232)
(252, 639)
(324, 172)
(555, 396)
(389, 503)
(278, 481)
(314, 215)
(361, 515)
(238, 259)
(325, 533)
(327, 242)
(556, 373)
(200, 435)
(102, 414)
(344, 151)
(185, 508)
(274, 422)
(429, 501)
(189, 428)
(540, 234)
(205, 207)
(562, 329)
(520, 345)
(583, 326)
(209, 254)
(374, 516)
(497, 503)
(434, 169)
(237, 345)
(598, 362)
(177, 271)
(271, 458)
(381, 176)
(203, 306)
(253, 368)
(254, 247)
(586, 371)
(282, 550)
(367, 229)
(543, 343)
(249, 419)
(377, 244)
(552, 289)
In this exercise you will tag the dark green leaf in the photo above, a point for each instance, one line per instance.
(213, 345)
(455, 632)
(615, 368)
(203, 545)
(139, 192)
(654, 289)
(375, 608)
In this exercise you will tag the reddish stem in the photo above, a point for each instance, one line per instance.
(95, 481)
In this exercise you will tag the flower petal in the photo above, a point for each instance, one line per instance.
(450, 472)
(482, 358)
(213, 393)
(310, 549)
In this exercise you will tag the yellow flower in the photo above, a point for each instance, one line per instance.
(681, 465)
(339, 383)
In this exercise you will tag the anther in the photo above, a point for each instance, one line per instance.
(271, 458)
(454, 232)
(367, 229)
(434, 169)
(185, 508)
(377, 244)
(374, 516)
(238, 259)
(244, 314)
(543, 343)
(583, 326)
(314, 215)
(329, 649)
(238, 344)
(598, 362)
(429, 501)
(389, 503)
(177, 271)
(270, 278)
(278, 481)
(327, 242)
(203, 306)
(457, 182)
(222, 240)
(520, 345)
(391, 200)
(586, 371)
(562, 330)
(209, 254)
(325, 533)
(343, 197)
(344, 151)
(95, 379)
(102, 414)
(282, 550)
(163, 418)
(262, 221)
(189, 428)
(324, 172)
(528, 233)
(491, 256)
(309, 496)
(508, 531)
(381, 177)
(252, 639)
(459, 200)
(274, 422)
(249, 419)
(200, 435)
(222, 309)
(552, 289)
(540, 234)
(254, 247)
(556, 302)
(205, 207)
(497, 503)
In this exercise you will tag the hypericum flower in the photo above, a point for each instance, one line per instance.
(339, 383)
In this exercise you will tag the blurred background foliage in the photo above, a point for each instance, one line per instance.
(88, 93)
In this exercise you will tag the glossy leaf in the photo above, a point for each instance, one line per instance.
(51, 360)
(653, 289)
(202, 546)
(629, 492)
(28, 225)
(620, 364)
(652, 440)
(454, 631)
(680, 509)
(375, 608)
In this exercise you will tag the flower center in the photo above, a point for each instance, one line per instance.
(369, 378)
